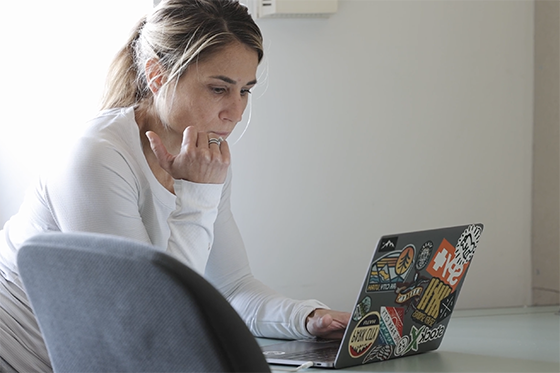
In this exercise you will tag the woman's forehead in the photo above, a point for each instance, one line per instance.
(234, 64)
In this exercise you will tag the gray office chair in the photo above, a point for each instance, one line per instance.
(108, 304)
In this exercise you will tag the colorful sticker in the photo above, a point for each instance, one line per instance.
(379, 353)
(388, 244)
(410, 293)
(362, 309)
(364, 335)
(417, 337)
(405, 260)
(466, 246)
(391, 328)
(445, 266)
(428, 309)
(391, 269)
(424, 255)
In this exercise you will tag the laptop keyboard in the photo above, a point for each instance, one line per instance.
(321, 354)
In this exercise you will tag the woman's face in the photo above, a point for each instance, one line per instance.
(212, 95)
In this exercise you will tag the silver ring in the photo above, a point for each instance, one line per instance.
(217, 141)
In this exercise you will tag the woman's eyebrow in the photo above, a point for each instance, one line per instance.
(231, 81)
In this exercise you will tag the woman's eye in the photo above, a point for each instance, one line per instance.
(218, 90)
(222, 90)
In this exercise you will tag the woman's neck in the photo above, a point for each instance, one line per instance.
(148, 120)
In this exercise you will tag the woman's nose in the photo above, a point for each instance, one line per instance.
(234, 111)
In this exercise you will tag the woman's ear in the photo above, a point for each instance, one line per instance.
(154, 75)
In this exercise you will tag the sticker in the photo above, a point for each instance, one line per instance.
(417, 337)
(427, 311)
(446, 306)
(391, 328)
(411, 292)
(388, 244)
(424, 255)
(364, 335)
(466, 246)
(379, 353)
(444, 265)
(362, 309)
(405, 260)
(390, 269)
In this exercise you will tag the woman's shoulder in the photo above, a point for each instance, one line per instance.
(112, 129)
(112, 122)
(111, 136)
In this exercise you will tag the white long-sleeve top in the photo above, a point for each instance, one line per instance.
(105, 185)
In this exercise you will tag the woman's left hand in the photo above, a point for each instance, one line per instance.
(327, 324)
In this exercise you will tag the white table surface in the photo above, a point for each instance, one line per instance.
(494, 340)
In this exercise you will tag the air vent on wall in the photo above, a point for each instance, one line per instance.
(291, 8)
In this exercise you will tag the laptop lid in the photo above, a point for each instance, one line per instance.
(406, 299)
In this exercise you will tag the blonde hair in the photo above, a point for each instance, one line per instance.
(175, 34)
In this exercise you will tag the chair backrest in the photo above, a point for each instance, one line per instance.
(108, 304)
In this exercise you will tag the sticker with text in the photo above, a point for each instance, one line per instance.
(390, 270)
(392, 322)
(445, 266)
(364, 335)
(424, 255)
(467, 243)
(428, 310)
(409, 293)
(417, 337)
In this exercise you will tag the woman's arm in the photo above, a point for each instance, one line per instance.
(103, 189)
(266, 313)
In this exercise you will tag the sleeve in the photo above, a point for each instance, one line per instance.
(266, 313)
(98, 191)
(191, 224)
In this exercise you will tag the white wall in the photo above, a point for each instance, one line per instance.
(390, 116)
(546, 166)
(54, 59)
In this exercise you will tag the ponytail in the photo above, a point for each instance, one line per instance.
(123, 86)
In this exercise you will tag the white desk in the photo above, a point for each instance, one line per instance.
(495, 340)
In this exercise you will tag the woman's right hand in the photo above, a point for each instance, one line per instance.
(327, 324)
(197, 161)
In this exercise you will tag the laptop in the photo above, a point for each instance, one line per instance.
(404, 304)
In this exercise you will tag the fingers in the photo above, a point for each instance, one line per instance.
(327, 323)
(190, 137)
(161, 153)
(324, 321)
(203, 139)
(214, 152)
(202, 158)
(224, 149)
(217, 145)
(214, 142)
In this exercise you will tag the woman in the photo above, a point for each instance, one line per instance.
(154, 167)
